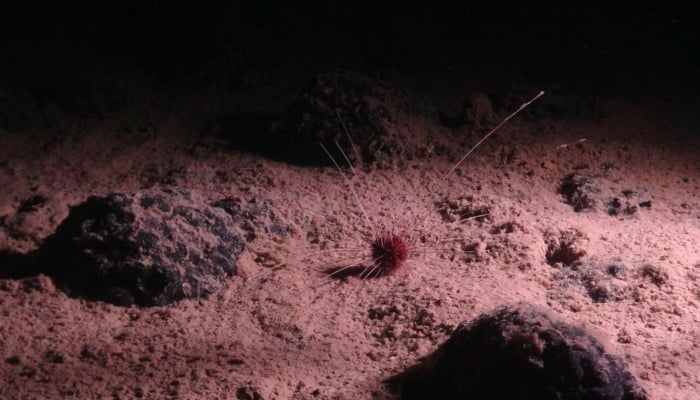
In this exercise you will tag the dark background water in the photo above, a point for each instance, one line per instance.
(86, 57)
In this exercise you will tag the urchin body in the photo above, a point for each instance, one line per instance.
(389, 253)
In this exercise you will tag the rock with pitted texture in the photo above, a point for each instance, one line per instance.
(149, 248)
(518, 352)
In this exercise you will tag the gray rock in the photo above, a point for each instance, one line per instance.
(365, 106)
(518, 352)
(149, 248)
(255, 216)
(580, 190)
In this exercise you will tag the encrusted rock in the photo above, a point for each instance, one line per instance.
(365, 106)
(255, 216)
(519, 352)
(149, 248)
(579, 190)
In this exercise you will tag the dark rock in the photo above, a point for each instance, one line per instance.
(579, 190)
(255, 216)
(358, 101)
(518, 352)
(150, 248)
(335, 101)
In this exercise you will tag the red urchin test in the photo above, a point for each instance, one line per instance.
(389, 252)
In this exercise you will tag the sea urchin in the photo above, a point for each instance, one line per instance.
(389, 252)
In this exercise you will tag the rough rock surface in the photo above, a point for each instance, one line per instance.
(519, 352)
(149, 248)
(255, 216)
(604, 188)
(362, 104)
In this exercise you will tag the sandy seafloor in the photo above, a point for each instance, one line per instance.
(292, 333)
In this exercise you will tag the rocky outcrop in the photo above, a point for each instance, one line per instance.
(518, 352)
(149, 248)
